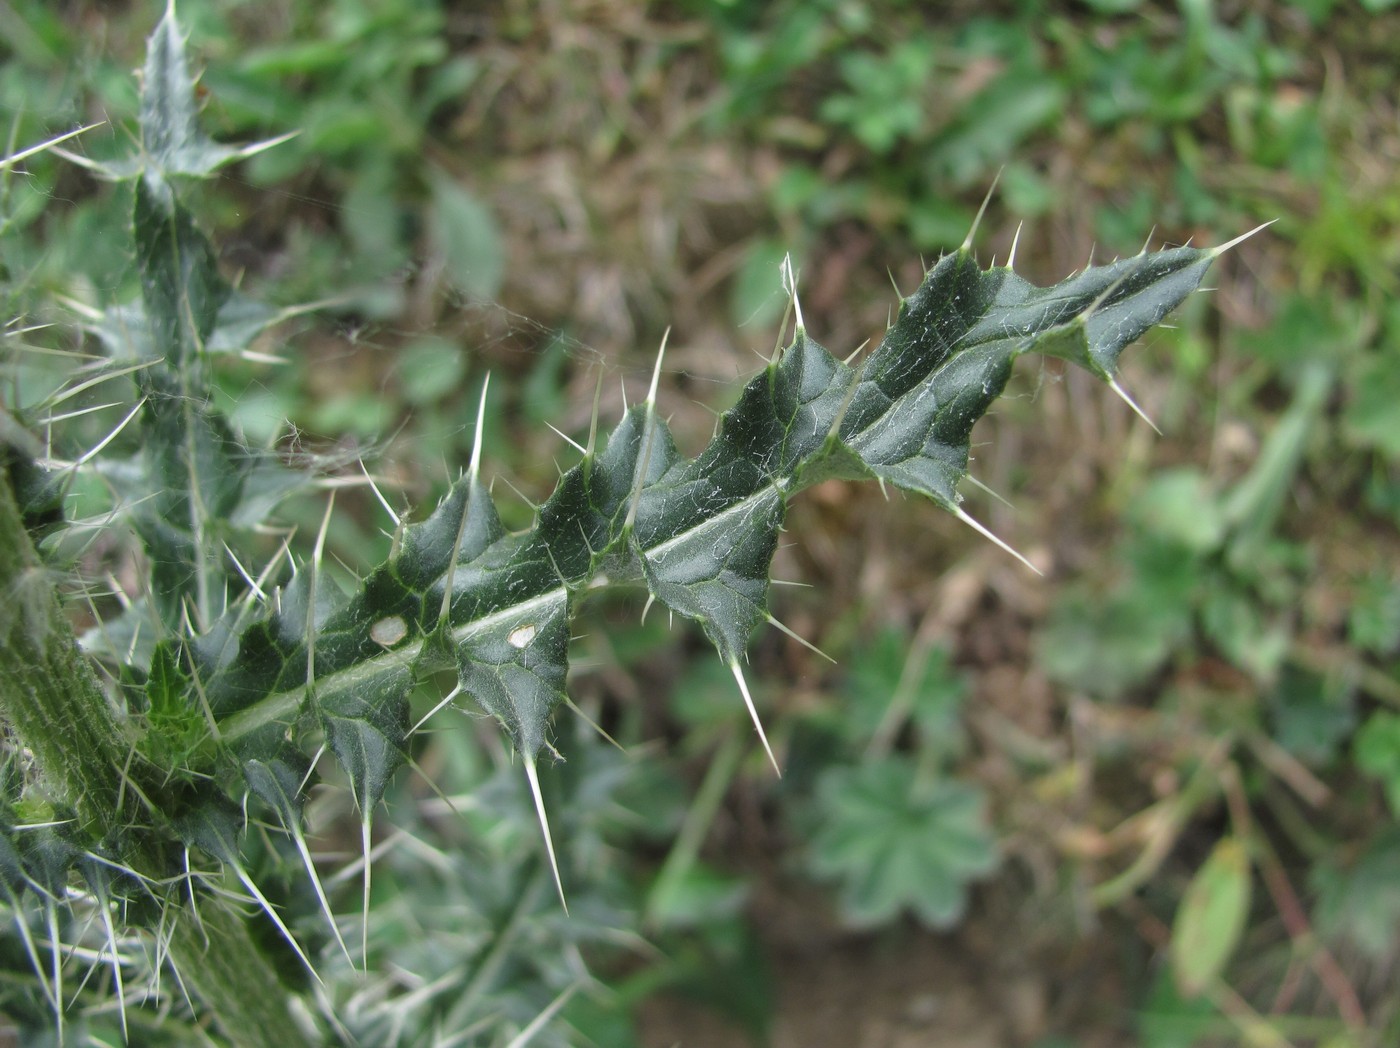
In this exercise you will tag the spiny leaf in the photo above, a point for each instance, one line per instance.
(514, 667)
(171, 139)
(180, 283)
(278, 784)
(214, 830)
(700, 534)
(367, 731)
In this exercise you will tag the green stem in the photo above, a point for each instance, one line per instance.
(218, 960)
(53, 701)
(48, 692)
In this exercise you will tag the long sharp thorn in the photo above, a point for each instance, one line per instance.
(648, 439)
(981, 211)
(656, 373)
(364, 896)
(272, 914)
(593, 419)
(473, 473)
(116, 966)
(24, 154)
(753, 715)
(995, 494)
(1015, 240)
(56, 960)
(27, 937)
(800, 639)
(380, 496)
(446, 701)
(300, 840)
(1123, 395)
(316, 555)
(475, 468)
(593, 724)
(1218, 251)
(651, 599)
(538, 1023)
(1148, 242)
(982, 530)
(572, 442)
(856, 351)
(97, 448)
(790, 286)
(254, 590)
(534, 779)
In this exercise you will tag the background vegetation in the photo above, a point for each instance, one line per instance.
(1149, 799)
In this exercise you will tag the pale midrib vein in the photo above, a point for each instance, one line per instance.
(287, 703)
(734, 508)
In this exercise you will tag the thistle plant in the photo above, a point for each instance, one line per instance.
(128, 794)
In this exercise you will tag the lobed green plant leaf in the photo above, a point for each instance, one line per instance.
(896, 837)
(698, 533)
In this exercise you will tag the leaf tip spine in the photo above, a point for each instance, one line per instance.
(532, 776)
(981, 213)
(988, 490)
(656, 373)
(1127, 399)
(894, 284)
(987, 533)
(569, 440)
(398, 521)
(753, 714)
(789, 279)
(1015, 240)
(474, 470)
(773, 621)
(1216, 252)
(593, 419)
(276, 919)
(299, 839)
(365, 886)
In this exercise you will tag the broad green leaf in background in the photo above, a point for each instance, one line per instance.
(1172, 1020)
(467, 239)
(894, 840)
(1359, 896)
(1211, 918)
(1378, 753)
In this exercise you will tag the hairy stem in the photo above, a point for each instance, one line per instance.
(220, 962)
(48, 692)
(54, 703)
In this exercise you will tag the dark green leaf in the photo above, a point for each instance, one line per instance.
(700, 533)
(180, 283)
(278, 784)
(170, 135)
(366, 729)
